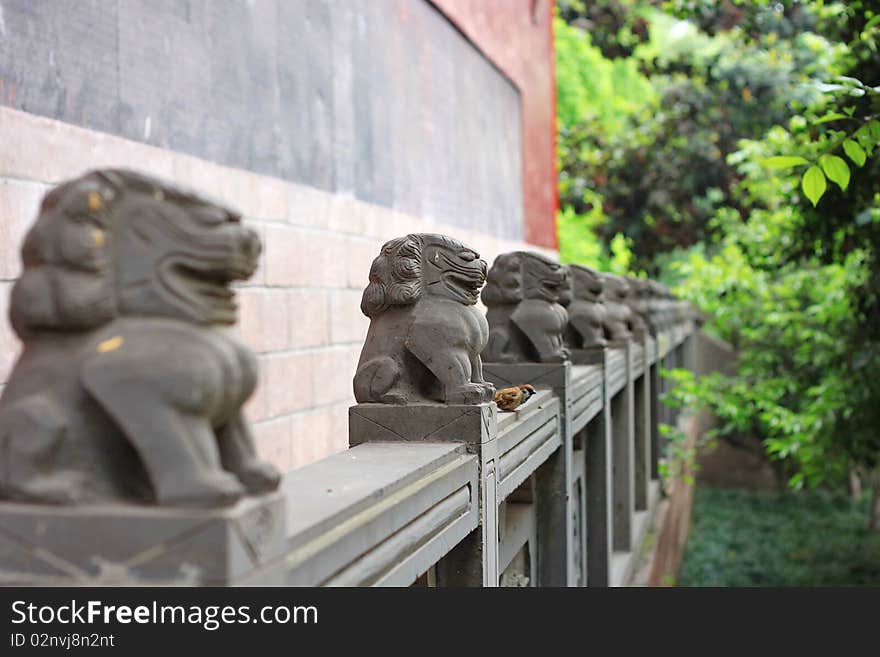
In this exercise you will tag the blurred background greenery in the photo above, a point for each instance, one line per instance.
(730, 148)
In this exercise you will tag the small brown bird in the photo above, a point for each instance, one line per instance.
(509, 399)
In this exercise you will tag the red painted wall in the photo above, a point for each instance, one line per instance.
(517, 36)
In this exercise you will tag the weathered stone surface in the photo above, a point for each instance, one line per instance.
(663, 316)
(526, 322)
(593, 356)
(586, 311)
(130, 385)
(425, 334)
(474, 560)
(472, 423)
(379, 514)
(552, 480)
(619, 317)
(637, 301)
(123, 544)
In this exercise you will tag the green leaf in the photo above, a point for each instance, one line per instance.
(854, 152)
(813, 184)
(784, 161)
(836, 169)
(831, 116)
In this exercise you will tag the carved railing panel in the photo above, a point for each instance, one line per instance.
(526, 443)
(586, 395)
(377, 514)
(616, 371)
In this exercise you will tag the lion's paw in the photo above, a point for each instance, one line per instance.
(206, 490)
(488, 391)
(559, 356)
(259, 477)
(471, 393)
(394, 398)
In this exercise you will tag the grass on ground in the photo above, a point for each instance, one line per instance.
(746, 538)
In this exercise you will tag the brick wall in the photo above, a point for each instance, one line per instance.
(300, 312)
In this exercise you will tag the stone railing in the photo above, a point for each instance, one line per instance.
(439, 486)
(557, 493)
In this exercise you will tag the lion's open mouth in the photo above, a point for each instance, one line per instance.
(552, 284)
(468, 281)
(204, 285)
(463, 280)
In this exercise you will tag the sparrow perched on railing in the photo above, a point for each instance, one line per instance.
(509, 399)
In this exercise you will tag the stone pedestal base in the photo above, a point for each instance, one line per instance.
(126, 545)
(473, 424)
(592, 356)
(473, 561)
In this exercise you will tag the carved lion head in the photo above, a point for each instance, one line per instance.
(524, 275)
(114, 242)
(423, 264)
(586, 283)
(616, 288)
(640, 288)
(566, 290)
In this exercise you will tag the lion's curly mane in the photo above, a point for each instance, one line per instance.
(67, 282)
(395, 276)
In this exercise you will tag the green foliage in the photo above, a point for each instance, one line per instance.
(792, 281)
(594, 95)
(813, 184)
(796, 370)
(748, 178)
(616, 25)
(742, 538)
(649, 134)
(591, 87)
(578, 242)
(857, 139)
(679, 459)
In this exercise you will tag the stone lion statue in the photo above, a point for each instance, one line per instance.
(619, 316)
(637, 300)
(586, 311)
(526, 322)
(425, 334)
(130, 385)
(662, 315)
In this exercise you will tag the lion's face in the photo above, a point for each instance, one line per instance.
(181, 256)
(587, 284)
(615, 288)
(419, 264)
(566, 290)
(542, 278)
(640, 289)
(452, 270)
(114, 242)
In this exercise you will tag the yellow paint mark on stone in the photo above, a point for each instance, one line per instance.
(110, 345)
(94, 201)
(99, 237)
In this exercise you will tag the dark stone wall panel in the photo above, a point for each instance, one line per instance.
(384, 99)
